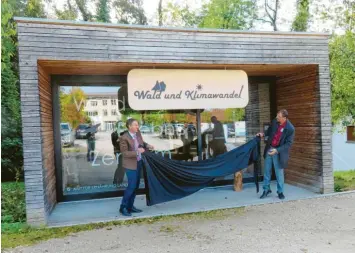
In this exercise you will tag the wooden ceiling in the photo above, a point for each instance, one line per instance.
(58, 67)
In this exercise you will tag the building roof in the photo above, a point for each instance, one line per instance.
(103, 94)
(161, 28)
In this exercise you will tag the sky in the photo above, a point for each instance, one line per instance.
(287, 13)
(94, 89)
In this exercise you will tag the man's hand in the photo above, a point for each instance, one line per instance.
(261, 135)
(151, 147)
(141, 150)
(272, 152)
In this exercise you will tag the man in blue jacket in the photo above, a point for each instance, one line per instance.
(279, 138)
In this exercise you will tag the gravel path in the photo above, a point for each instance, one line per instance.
(314, 225)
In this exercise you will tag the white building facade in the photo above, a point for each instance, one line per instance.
(343, 148)
(103, 109)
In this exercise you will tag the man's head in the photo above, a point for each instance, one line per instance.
(132, 125)
(282, 116)
(213, 119)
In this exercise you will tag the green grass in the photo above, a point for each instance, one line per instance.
(344, 180)
(11, 185)
(71, 150)
(13, 207)
(17, 234)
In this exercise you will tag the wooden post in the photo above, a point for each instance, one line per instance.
(238, 181)
(199, 139)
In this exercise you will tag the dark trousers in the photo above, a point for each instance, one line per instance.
(218, 147)
(91, 151)
(134, 177)
(119, 173)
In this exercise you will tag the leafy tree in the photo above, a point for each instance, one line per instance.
(300, 24)
(35, 8)
(72, 107)
(179, 14)
(11, 135)
(228, 14)
(83, 8)
(206, 116)
(339, 13)
(342, 69)
(11, 131)
(103, 11)
(130, 12)
(154, 118)
(234, 114)
(70, 11)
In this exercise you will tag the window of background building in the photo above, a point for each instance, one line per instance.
(104, 102)
(105, 112)
(113, 112)
(113, 101)
(92, 113)
(93, 103)
(350, 133)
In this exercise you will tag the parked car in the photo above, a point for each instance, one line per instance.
(231, 129)
(67, 134)
(191, 128)
(172, 130)
(81, 131)
(144, 129)
(179, 129)
(167, 130)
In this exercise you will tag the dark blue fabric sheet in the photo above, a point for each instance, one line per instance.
(168, 180)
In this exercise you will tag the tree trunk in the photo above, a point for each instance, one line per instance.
(160, 12)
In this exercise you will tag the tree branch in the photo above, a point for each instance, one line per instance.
(268, 6)
(276, 8)
(268, 13)
(270, 17)
(264, 20)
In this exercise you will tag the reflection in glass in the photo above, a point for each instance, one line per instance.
(93, 119)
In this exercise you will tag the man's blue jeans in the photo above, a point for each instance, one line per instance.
(279, 172)
(134, 177)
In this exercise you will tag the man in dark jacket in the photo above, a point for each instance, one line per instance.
(218, 142)
(279, 138)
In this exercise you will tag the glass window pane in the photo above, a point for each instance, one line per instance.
(93, 118)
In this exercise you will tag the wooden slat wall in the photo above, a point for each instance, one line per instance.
(45, 96)
(49, 41)
(299, 94)
(257, 112)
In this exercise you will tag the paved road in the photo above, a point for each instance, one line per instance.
(315, 225)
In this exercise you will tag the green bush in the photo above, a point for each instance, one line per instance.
(11, 146)
(13, 207)
(344, 180)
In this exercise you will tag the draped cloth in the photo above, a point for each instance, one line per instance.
(167, 180)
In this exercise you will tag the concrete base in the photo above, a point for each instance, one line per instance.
(104, 210)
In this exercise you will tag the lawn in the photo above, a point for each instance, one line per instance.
(17, 234)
